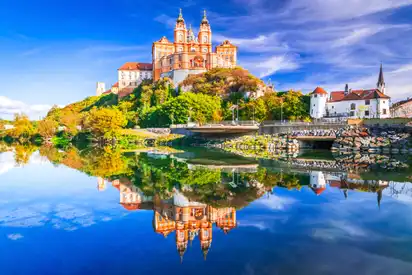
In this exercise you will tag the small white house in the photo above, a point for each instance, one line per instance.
(371, 103)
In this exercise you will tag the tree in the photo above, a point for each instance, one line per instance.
(47, 128)
(70, 120)
(23, 128)
(104, 122)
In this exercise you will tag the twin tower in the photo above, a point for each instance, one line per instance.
(190, 53)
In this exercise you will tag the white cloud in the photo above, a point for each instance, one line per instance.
(269, 65)
(9, 107)
(15, 237)
(276, 202)
(319, 10)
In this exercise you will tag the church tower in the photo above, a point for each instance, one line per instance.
(180, 33)
(381, 82)
(205, 237)
(205, 35)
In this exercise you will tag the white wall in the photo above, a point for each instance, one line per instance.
(317, 105)
(343, 107)
(132, 78)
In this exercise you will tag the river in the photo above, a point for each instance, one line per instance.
(202, 211)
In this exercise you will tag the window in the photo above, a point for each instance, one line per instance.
(316, 95)
(352, 113)
(368, 102)
(205, 39)
(384, 111)
(180, 37)
(353, 106)
(384, 102)
(205, 50)
(366, 113)
(314, 105)
(333, 107)
(312, 112)
(192, 49)
(180, 50)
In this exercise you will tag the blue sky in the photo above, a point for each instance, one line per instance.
(53, 52)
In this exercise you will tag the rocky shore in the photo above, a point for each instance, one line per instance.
(379, 141)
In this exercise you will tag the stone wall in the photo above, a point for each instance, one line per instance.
(387, 141)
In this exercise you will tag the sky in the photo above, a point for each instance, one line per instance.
(54, 52)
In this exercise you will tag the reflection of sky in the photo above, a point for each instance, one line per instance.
(55, 221)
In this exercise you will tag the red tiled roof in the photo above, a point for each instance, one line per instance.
(320, 91)
(115, 84)
(128, 66)
(125, 92)
(318, 191)
(107, 92)
(337, 96)
(131, 206)
(357, 95)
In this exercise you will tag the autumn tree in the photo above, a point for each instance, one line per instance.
(104, 122)
(23, 128)
(47, 128)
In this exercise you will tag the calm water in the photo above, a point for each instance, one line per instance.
(201, 212)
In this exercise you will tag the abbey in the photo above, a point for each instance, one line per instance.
(190, 53)
(370, 103)
(187, 54)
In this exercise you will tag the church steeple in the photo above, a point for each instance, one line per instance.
(180, 18)
(204, 19)
(381, 82)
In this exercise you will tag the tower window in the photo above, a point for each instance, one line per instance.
(353, 106)
(205, 39)
(384, 111)
(366, 113)
(367, 102)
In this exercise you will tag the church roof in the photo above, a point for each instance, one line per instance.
(131, 66)
(319, 91)
(115, 85)
(357, 95)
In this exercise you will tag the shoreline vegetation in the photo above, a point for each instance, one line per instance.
(203, 98)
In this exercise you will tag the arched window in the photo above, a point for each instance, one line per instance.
(205, 39)
(180, 37)
(353, 106)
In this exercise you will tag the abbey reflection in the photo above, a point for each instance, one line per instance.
(188, 219)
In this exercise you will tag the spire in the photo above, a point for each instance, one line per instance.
(379, 198)
(180, 18)
(381, 81)
(204, 19)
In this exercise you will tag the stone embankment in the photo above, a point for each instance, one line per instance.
(352, 162)
(364, 140)
(263, 142)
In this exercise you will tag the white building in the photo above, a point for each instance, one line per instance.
(371, 103)
(129, 76)
(317, 182)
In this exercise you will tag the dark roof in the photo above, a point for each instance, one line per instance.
(381, 81)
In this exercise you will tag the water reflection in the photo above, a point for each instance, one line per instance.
(194, 196)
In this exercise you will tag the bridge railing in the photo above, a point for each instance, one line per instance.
(298, 123)
(214, 124)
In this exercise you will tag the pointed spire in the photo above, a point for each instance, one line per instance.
(205, 253)
(381, 81)
(379, 198)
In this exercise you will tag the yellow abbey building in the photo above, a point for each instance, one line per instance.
(190, 53)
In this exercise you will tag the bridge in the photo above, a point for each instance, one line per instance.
(239, 128)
